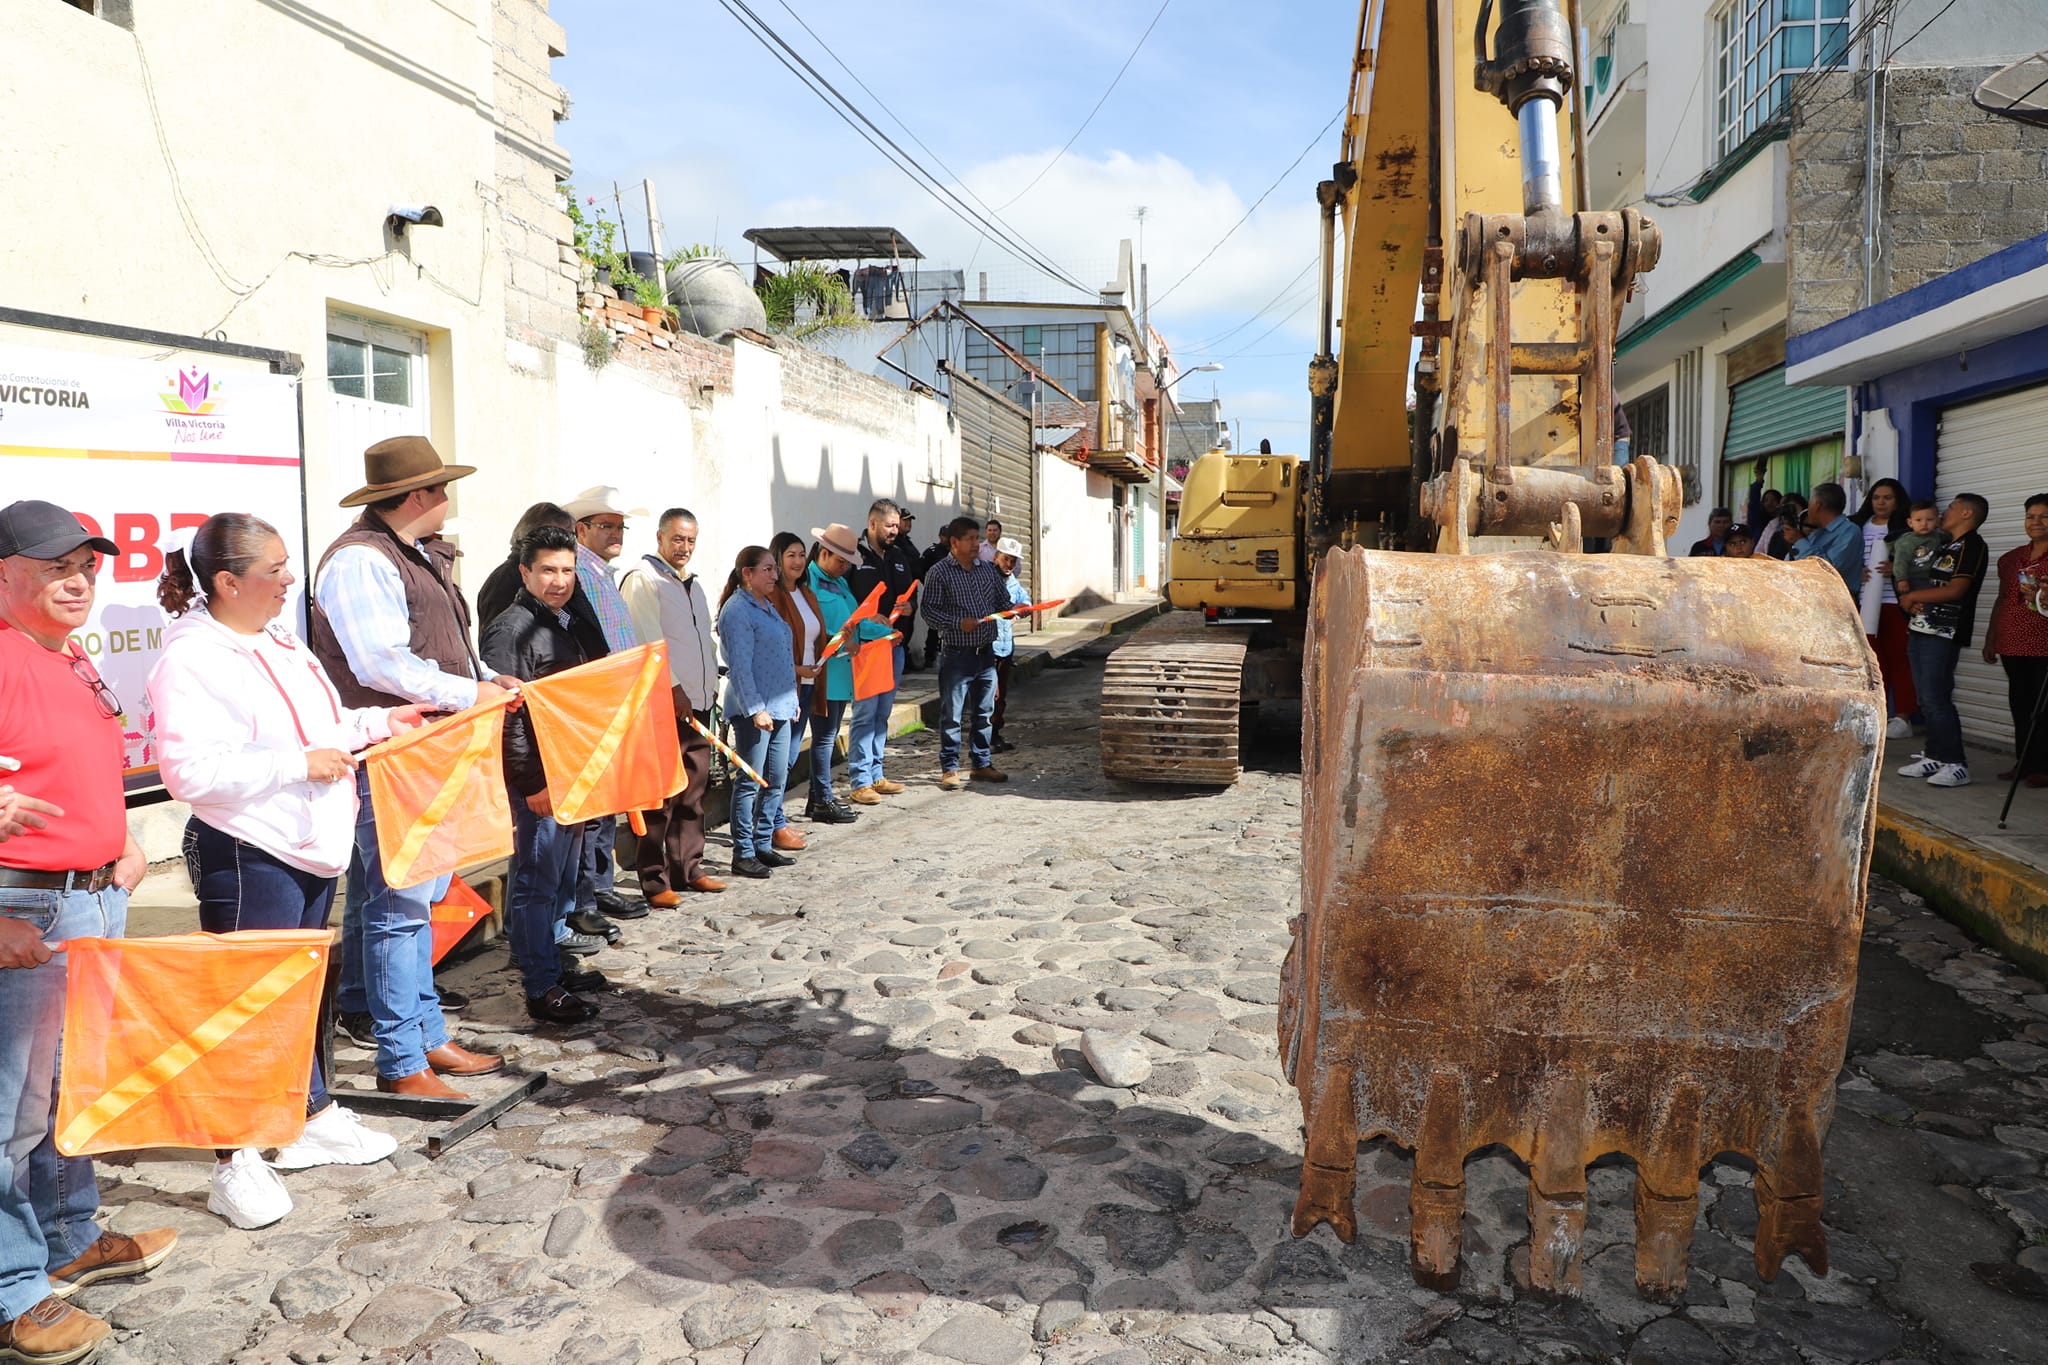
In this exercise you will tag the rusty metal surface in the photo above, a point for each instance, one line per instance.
(1170, 697)
(1541, 792)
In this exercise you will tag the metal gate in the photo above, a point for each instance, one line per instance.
(1996, 448)
(995, 464)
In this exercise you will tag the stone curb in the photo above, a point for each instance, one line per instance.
(1999, 899)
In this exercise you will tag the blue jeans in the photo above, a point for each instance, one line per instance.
(870, 735)
(824, 743)
(755, 811)
(387, 957)
(1933, 661)
(46, 1210)
(967, 697)
(547, 858)
(243, 887)
(597, 870)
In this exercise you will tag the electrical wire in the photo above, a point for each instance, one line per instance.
(1325, 132)
(1274, 328)
(852, 115)
(1212, 342)
(1096, 110)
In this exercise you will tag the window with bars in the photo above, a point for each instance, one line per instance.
(1066, 352)
(1760, 48)
(1649, 422)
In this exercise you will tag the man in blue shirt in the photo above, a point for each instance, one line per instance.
(1832, 536)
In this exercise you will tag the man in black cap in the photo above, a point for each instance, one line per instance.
(67, 864)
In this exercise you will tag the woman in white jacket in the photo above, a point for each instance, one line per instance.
(253, 736)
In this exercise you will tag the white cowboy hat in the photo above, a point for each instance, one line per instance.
(1009, 545)
(599, 498)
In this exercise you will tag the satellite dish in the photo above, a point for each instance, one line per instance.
(2020, 91)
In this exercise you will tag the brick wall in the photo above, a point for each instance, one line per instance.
(534, 231)
(1956, 185)
(825, 386)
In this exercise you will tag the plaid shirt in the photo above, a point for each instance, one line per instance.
(603, 591)
(364, 599)
(952, 594)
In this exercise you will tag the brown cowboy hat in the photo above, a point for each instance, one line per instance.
(840, 540)
(400, 464)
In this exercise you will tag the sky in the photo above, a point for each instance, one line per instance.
(1209, 115)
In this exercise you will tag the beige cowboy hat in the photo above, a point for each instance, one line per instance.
(597, 499)
(400, 464)
(840, 540)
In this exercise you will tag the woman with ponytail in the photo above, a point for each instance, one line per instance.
(254, 737)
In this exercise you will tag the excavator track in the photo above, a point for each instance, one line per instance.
(1170, 699)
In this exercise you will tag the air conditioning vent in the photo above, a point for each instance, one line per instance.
(1267, 561)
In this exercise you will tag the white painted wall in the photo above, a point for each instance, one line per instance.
(1076, 523)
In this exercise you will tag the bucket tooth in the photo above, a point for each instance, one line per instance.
(1329, 1168)
(1536, 788)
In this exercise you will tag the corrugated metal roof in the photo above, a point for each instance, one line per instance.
(833, 243)
(1765, 415)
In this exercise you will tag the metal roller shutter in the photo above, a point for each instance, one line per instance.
(1998, 449)
(995, 464)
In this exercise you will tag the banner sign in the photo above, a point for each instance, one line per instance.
(138, 449)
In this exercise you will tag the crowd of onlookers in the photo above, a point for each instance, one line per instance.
(1915, 570)
(262, 732)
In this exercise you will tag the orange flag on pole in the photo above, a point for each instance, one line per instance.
(454, 915)
(194, 1040)
(606, 732)
(438, 793)
(872, 607)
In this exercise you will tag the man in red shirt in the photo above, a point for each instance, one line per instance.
(67, 864)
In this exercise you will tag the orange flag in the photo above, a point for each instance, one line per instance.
(438, 793)
(872, 607)
(455, 915)
(606, 731)
(195, 1040)
(874, 668)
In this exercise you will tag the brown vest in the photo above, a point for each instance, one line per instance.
(440, 618)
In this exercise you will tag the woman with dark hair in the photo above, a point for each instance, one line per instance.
(1784, 530)
(2018, 638)
(805, 617)
(254, 737)
(760, 699)
(1883, 519)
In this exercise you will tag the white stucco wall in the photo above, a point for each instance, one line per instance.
(1075, 530)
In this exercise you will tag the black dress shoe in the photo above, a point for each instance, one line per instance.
(577, 977)
(831, 815)
(357, 1026)
(848, 814)
(618, 907)
(768, 857)
(451, 999)
(749, 867)
(594, 923)
(1003, 746)
(558, 1007)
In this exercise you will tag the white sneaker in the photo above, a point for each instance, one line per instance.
(1950, 775)
(1921, 766)
(335, 1137)
(1900, 728)
(248, 1193)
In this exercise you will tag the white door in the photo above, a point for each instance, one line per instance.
(1996, 448)
(376, 387)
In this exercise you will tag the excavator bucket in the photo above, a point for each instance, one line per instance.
(1550, 802)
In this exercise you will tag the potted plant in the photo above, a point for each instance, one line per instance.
(595, 236)
(653, 304)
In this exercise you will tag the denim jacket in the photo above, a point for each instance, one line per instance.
(760, 670)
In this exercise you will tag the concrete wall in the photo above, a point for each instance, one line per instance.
(1076, 525)
(226, 167)
(1956, 184)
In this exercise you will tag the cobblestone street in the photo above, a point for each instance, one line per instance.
(862, 1112)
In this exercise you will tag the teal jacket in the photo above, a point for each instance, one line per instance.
(837, 602)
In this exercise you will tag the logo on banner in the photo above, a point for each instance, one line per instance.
(193, 397)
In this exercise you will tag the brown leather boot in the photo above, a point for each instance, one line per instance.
(989, 775)
(52, 1332)
(113, 1257)
(452, 1059)
(787, 840)
(665, 900)
(888, 788)
(420, 1083)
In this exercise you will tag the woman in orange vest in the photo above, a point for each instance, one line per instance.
(253, 736)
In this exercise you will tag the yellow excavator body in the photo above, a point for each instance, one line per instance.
(1538, 785)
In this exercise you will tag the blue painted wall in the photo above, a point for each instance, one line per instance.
(1916, 396)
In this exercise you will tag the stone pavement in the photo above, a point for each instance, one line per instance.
(849, 1115)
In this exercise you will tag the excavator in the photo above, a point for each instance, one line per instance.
(1546, 767)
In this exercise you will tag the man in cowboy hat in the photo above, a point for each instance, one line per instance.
(389, 625)
(600, 534)
(838, 553)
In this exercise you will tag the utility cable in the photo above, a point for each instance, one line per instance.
(1096, 110)
(1250, 211)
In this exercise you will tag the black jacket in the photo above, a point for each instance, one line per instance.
(527, 641)
(504, 584)
(895, 568)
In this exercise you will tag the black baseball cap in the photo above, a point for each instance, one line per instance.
(43, 530)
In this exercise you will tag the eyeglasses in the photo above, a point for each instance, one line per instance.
(110, 705)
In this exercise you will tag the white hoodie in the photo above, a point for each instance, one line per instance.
(235, 715)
